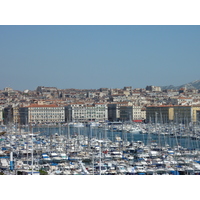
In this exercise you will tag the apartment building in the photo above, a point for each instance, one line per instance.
(160, 114)
(129, 113)
(176, 113)
(196, 113)
(42, 114)
(16, 116)
(114, 110)
(78, 112)
(180, 100)
(143, 113)
(7, 114)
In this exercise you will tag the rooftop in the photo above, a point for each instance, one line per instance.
(36, 105)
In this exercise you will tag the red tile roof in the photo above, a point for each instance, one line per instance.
(36, 105)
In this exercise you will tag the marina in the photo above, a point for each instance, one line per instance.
(100, 149)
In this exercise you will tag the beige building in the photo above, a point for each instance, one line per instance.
(196, 113)
(176, 113)
(16, 116)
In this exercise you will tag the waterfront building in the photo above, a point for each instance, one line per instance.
(152, 96)
(176, 113)
(114, 110)
(42, 114)
(183, 114)
(16, 117)
(8, 114)
(129, 113)
(80, 112)
(143, 113)
(196, 113)
(160, 114)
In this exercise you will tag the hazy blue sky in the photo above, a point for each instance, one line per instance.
(98, 56)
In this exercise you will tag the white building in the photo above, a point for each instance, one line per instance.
(42, 114)
(137, 112)
(143, 113)
(81, 113)
(181, 101)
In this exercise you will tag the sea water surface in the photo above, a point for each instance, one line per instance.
(100, 133)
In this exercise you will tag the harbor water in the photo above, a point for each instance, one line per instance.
(100, 133)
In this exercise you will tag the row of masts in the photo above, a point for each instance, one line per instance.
(74, 139)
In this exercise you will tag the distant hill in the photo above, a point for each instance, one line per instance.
(191, 85)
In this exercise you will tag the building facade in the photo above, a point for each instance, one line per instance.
(83, 113)
(42, 114)
(160, 114)
(8, 115)
(130, 113)
(16, 116)
(175, 113)
(114, 110)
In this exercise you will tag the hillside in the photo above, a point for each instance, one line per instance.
(191, 85)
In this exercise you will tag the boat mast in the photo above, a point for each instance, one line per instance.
(32, 152)
(99, 158)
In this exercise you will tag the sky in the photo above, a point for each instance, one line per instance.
(92, 57)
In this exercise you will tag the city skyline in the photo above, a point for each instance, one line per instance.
(171, 87)
(92, 57)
